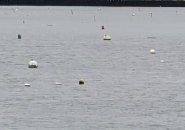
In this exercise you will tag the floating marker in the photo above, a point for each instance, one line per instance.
(106, 37)
(72, 12)
(150, 14)
(133, 14)
(94, 18)
(162, 61)
(27, 84)
(50, 24)
(102, 27)
(32, 64)
(81, 81)
(19, 36)
(152, 51)
(58, 83)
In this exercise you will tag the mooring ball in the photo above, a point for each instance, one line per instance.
(58, 83)
(19, 36)
(33, 64)
(27, 84)
(102, 27)
(81, 81)
(106, 37)
(152, 51)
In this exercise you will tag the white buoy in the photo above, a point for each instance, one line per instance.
(27, 84)
(32, 64)
(133, 14)
(162, 61)
(106, 37)
(152, 51)
(58, 83)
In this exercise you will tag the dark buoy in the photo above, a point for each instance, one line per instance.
(102, 27)
(19, 36)
(81, 82)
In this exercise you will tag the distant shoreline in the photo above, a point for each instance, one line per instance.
(159, 3)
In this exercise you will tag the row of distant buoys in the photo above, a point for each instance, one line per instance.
(105, 37)
(33, 64)
(133, 14)
(81, 82)
(152, 51)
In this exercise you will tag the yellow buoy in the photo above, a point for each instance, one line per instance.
(106, 37)
(81, 81)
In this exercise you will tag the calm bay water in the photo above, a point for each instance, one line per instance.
(126, 87)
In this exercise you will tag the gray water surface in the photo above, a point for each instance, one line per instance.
(126, 87)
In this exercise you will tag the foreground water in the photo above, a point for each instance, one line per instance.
(126, 87)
